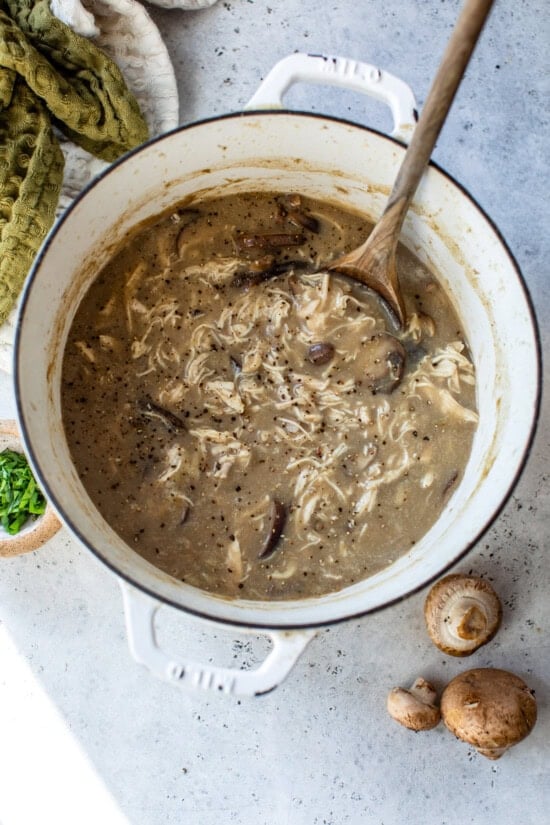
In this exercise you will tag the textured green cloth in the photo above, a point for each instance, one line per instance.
(49, 75)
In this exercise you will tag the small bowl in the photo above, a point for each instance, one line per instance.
(36, 531)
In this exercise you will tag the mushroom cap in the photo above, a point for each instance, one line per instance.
(414, 708)
(490, 709)
(462, 613)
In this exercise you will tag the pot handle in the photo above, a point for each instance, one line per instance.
(140, 610)
(340, 71)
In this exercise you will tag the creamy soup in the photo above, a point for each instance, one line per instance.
(252, 425)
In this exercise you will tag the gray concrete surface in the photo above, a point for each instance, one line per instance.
(320, 750)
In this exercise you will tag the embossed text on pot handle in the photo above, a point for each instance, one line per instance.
(343, 72)
(140, 610)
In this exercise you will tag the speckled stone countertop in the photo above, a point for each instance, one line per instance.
(88, 736)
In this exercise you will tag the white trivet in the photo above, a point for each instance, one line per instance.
(125, 31)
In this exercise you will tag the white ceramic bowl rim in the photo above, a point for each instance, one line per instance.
(151, 591)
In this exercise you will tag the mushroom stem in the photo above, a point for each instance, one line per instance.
(467, 619)
(462, 613)
(423, 691)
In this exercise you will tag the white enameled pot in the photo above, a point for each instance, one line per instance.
(268, 148)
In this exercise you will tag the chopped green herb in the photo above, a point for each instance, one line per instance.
(20, 497)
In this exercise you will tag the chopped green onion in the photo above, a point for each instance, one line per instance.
(20, 497)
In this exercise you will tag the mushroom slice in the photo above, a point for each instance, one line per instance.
(321, 353)
(490, 709)
(236, 366)
(301, 219)
(254, 240)
(414, 708)
(385, 362)
(449, 484)
(185, 217)
(276, 522)
(184, 514)
(248, 278)
(290, 207)
(149, 409)
(462, 613)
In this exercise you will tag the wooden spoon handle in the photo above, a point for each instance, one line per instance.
(445, 84)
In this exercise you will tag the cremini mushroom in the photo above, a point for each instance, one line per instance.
(490, 709)
(462, 613)
(414, 708)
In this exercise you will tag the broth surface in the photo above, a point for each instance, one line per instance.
(251, 425)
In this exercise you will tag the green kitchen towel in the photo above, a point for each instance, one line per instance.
(31, 171)
(49, 76)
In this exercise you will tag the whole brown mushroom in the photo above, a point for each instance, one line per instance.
(414, 708)
(462, 613)
(490, 709)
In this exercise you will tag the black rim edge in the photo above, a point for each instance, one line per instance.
(266, 626)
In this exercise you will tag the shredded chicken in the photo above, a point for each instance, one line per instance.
(300, 401)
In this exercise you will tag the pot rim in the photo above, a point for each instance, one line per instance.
(150, 591)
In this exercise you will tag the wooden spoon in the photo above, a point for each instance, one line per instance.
(373, 263)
